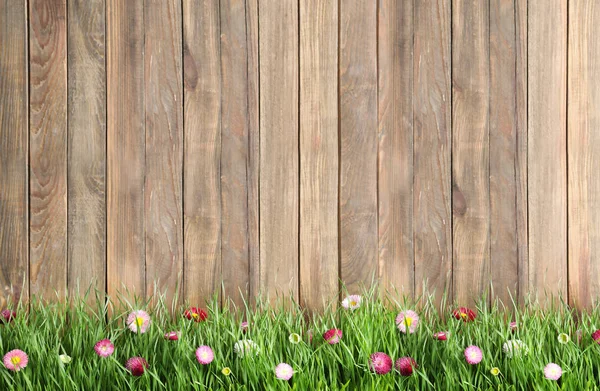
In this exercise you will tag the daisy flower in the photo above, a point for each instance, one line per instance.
(515, 347)
(136, 365)
(284, 371)
(563, 338)
(204, 355)
(333, 336)
(473, 355)
(407, 321)
(197, 314)
(244, 326)
(352, 302)
(246, 347)
(441, 335)
(7, 316)
(172, 335)
(226, 371)
(465, 314)
(596, 336)
(552, 371)
(104, 348)
(380, 363)
(15, 360)
(513, 326)
(495, 371)
(138, 321)
(295, 338)
(64, 358)
(405, 365)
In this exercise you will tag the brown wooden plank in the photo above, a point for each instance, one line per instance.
(584, 160)
(125, 147)
(278, 50)
(48, 147)
(504, 257)
(432, 138)
(395, 161)
(235, 150)
(87, 146)
(14, 144)
(358, 143)
(318, 153)
(253, 147)
(470, 149)
(547, 153)
(164, 147)
(202, 150)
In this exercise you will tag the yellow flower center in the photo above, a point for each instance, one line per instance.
(139, 321)
(352, 303)
(16, 360)
(195, 315)
(408, 320)
(463, 315)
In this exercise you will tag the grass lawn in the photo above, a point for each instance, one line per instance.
(59, 341)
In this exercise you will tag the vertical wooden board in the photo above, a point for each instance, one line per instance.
(235, 150)
(253, 147)
(14, 217)
(432, 137)
(318, 153)
(279, 176)
(202, 150)
(48, 147)
(395, 160)
(87, 146)
(358, 143)
(164, 147)
(584, 144)
(503, 149)
(547, 153)
(125, 147)
(470, 149)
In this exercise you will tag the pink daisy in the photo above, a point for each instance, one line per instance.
(244, 326)
(333, 336)
(552, 371)
(513, 326)
(204, 355)
(197, 314)
(104, 348)
(352, 302)
(405, 365)
(136, 365)
(284, 371)
(596, 336)
(15, 360)
(138, 321)
(407, 321)
(380, 363)
(172, 335)
(473, 355)
(7, 316)
(441, 335)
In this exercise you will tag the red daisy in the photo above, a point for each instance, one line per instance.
(333, 336)
(380, 363)
(464, 313)
(197, 314)
(405, 365)
(596, 336)
(7, 316)
(136, 365)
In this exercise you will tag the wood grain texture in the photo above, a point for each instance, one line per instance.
(235, 150)
(395, 160)
(202, 150)
(14, 146)
(318, 153)
(432, 137)
(48, 147)
(87, 146)
(470, 149)
(547, 153)
(358, 143)
(164, 147)
(584, 160)
(278, 50)
(125, 148)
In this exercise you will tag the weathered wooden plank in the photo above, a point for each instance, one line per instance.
(278, 50)
(48, 147)
(202, 150)
(86, 228)
(164, 147)
(14, 144)
(432, 137)
(470, 149)
(318, 153)
(547, 153)
(235, 151)
(584, 160)
(125, 147)
(358, 143)
(395, 160)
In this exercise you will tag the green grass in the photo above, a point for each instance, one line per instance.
(46, 331)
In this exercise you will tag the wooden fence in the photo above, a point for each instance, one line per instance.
(285, 145)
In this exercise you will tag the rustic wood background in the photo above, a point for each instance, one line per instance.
(284, 145)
